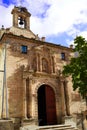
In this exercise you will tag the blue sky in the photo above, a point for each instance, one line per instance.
(60, 21)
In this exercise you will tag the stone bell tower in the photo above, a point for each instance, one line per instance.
(21, 17)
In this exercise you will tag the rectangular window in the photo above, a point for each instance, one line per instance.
(63, 56)
(24, 49)
(86, 117)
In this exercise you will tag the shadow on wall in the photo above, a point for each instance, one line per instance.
(15, 88)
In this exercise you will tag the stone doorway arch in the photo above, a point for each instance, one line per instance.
(46, 105)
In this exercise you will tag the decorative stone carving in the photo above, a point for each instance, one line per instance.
(45, 65)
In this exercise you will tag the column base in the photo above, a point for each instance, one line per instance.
(70, 120)
(6, 124)
(28, 121)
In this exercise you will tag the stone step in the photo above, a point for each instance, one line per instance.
(57, 127)
(69, 128)
(50, 127)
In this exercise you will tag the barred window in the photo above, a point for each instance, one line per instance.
(63, 56)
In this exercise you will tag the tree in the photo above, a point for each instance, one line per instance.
(77, 67)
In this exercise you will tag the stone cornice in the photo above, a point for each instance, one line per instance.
(32, 40)
(39, 74)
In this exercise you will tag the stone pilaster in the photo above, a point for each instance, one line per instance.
(67, 99)
(39, 63)
(30, 97)
(15, 20)
(63, 99)
(27, 23)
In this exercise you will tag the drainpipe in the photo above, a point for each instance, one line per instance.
(4, 99)
(2, 71)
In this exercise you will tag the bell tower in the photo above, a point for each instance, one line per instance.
(21, 17)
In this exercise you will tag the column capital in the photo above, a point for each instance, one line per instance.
(62, 79)
(66, 80)
(30, 77)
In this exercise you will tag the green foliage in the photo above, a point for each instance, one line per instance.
(78, 66)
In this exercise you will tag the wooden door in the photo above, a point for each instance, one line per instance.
(46, 106)
(50, 106)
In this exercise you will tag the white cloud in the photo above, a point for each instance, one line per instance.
(84, 34)
(75, 32)
(5, 16)
(60, 15)
(70, 42)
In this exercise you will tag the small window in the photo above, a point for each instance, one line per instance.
(86, 117)
(63, 56)
(24, 49)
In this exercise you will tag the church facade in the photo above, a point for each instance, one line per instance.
(32, 86)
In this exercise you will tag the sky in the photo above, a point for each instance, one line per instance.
(60, 21)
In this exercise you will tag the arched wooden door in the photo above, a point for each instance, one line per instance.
(46, 106)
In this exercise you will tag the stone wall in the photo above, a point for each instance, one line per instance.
(19, 66)
(6, 125)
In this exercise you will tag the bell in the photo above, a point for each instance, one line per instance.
(21, 21)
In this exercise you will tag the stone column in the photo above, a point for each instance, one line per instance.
(68, 119)
(67, 99)
(40, 63)
(52, 64)
(37, 62)
(63, 101)
(63, 108)
(30, 97)
(24, 99)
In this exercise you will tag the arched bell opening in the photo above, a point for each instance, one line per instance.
(21, 22)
